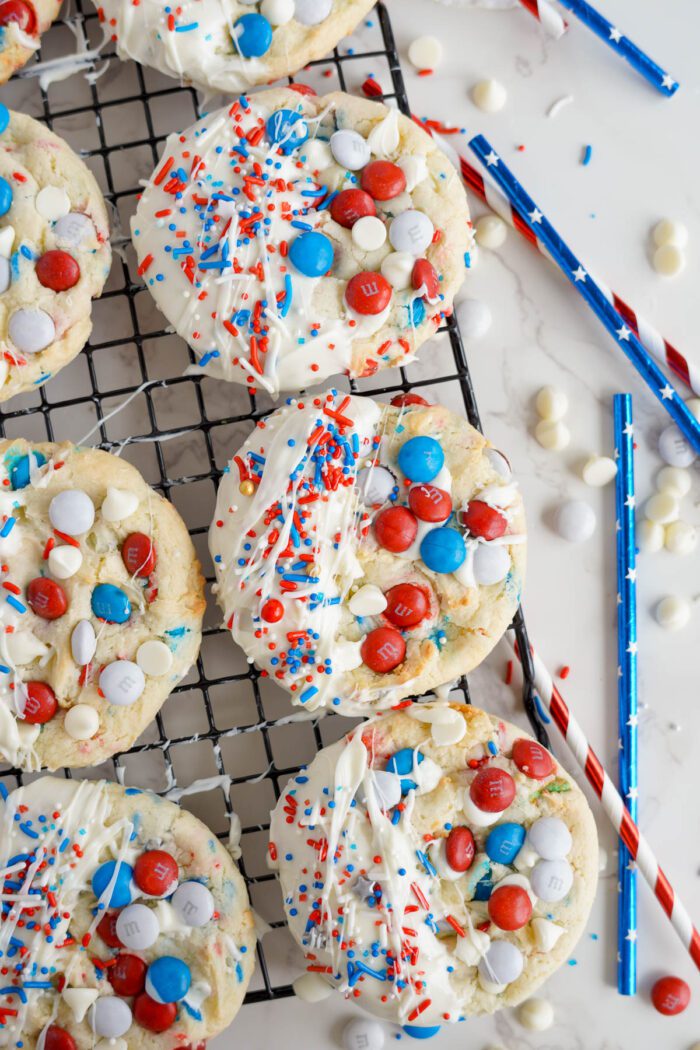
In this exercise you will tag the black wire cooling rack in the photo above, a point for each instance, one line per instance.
(225, 729)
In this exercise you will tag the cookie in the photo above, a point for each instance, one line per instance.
(54, 253)
(289, 238)
(102, 608)
(21, 24)
(231, 47)
(140, 933)
(435, 864)
(366, 552)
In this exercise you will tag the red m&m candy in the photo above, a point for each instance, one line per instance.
(272, 611)
(383, 649)
(429, 503)
(156, 1017)
(368, 293)
(46, 598)
(532, 759)
(670, 995)
(492, 789)
(383, 180)
(107, 929)
(41, 703)
(425, 276)
(404, 400)
(395, 529)
(483, 520)
(510, 907)
(139, 554)
(21, 12)
(460, 848)
(58, 1039)
(351, 205)
(407, 605)
(57, 270)
(128, 974)
(156, 872)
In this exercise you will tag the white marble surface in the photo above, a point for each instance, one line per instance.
(646, 155)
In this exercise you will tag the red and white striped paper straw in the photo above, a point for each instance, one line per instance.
(547, 15)
(613, 804)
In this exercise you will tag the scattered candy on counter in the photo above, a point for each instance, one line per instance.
(670, 996)
(474, 318)
(537, 1015)
(489, 95)
(672, 613)
(670, 239)
(598, 471)
(425, 53)
(490, 232)
(575, 521)
(362, 1034)
(662, 525)
(551, 432)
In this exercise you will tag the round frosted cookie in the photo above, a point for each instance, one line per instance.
(21, 24)
(229, 47)
(140, 932)
(291, 238)
(435, 864)
(102, 609)
(54, 253)
(364, 552)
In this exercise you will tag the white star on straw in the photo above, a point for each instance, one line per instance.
(580, 274)
(630, 501)
(632, 794)
(631, 575)
(633, 721)
(668, 81)
(615, 34)
(628, 430)
(623, 333)
(492, 159)
(632, 650)
(631, 865)
(536, 215)
(667, 392)
(631, 936)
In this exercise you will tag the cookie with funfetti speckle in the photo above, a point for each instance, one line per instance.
(22, 23)
(435, 864)
(229, 47)
(54, 252)
(140, 932)
(288, 239)
(364, 552)
(101, 609)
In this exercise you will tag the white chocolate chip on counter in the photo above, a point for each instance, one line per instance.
(552, 435)
(311, 988)
(650, 536)
(490, 231)
(672, 613)
(536, 1014)
(668, 260)
(670, 231)
(681, 538)
(662, 508)
(674, 480)
(551, 403)
(425, 52)
(598, 471)
(575, 521)
(474, 318)
(363, 1034)
(674, 449)
(489, 95)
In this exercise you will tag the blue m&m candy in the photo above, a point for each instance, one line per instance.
(109, 603)
(5, 196)
(168, 979)
(20, 471)
(416, 1032)
(287, 129)
(421, 458)
(443, 550)
(504, 842)
(121, 890)
(4, 117)
(252, 35)
(402, 763)
(311, 253)
(484, 887)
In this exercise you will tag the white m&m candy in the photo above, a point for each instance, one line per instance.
(411, 231)
(122, 682)
(110, 1016)
(73, 228)
(137, 927)
(81, 722)
(650, 536)
(474, 318)
(349, 149)
(194, 903)
(154, 658)
(31, 330)
(502, 964)
(65, 561)
(375, 485)
(552, 879)
(550, 838)
(311, 12)
(363, 1034)
(83, 642)
(491, 564)
(72, 511)
(575, 521)
(674, 449)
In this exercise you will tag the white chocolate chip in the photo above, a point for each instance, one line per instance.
(311, 988)
(672, 613)
(670, 231)
(277, 12)
(650, 536)
(23, 647)
(554, 436)
(119, 504)
(367, 601)
(662, 508)
(318, 155)
(81, 722)
(154, 658)
(369, 233)
(681, 538)
(7, 239)
(546, 932)
(669, 260)
(598, 471)
(536, 1014)
(551, 403)
(79, 1000)
(490, 231)
(397, 268)
(674, 480)
(52, 203)
(489, 95)
(425, 52)
(65, 561)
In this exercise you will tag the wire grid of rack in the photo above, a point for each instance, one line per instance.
(223, 725)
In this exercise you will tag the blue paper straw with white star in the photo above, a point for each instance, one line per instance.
(584, 284)
(623, 46)
(626, 685)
